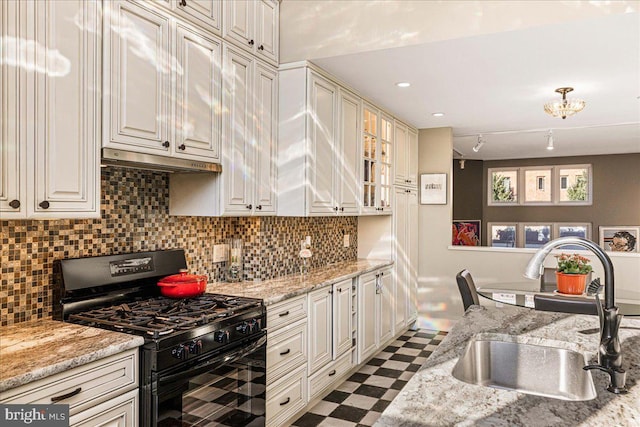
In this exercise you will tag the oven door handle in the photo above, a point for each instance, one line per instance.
(223, 359)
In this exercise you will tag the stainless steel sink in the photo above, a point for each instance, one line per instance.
(527, 368)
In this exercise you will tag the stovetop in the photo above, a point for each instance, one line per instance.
(159, 316)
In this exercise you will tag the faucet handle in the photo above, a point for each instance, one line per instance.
(617, 376)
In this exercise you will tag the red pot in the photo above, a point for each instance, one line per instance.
(183, 285)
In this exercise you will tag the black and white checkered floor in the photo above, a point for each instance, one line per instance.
(360, 400)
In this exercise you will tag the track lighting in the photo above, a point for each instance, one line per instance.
(461, 161)
(550, 140)
(479, 144)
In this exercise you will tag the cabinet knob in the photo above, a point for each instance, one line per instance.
(335, 208)
(44, 204)
(166, 144)
(251, 42)
(183, 3)
(249, 206)
(261, 47)
(342, 209)
(259, 207)
(182, 147)
(15, 204)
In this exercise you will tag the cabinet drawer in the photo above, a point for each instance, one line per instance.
(119, 412)
(286, 397)
(286, 349)
(286, 312)
(86, 385)
(326, 376)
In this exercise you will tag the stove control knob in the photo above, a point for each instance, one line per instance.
(244, 328)
(254, 325)
(180, 352)
(195, 347)
(221, 337)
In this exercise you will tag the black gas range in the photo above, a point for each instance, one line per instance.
(203, 360)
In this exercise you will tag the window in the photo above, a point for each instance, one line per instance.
(540, 185)
(534, 235)
(503, 235)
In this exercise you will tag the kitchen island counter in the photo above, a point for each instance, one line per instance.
(433, 397)
(33, 350)
(279, 289)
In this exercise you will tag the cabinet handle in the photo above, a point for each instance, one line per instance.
(285, 402)
(182, 147)
(259, 207)
(342, 209)
(261, 47)
(55, 399)
(286, 313)
(183, 3)
(339, 289)
(166, 144)
(44, 204)
(249, 206)
(287, 351)
(251, 42)
(332, 373)
(335, 208)
(15, 204)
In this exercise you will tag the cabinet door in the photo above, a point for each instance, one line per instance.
(370, 129)
(412, 154)
(322, 134)
(238, 106)
(13, 114)
(401, 145)
(341, 318)
(386, 304)
(239, 22)
(266, 137)
(320, 342)
(198, 95)
(348, 160)
(206, 13)
(412, 265)
(367, 316)
(137, 78)
(121, 411)
(401, 251)
(267, 33)
(67, 95)
(385, 165)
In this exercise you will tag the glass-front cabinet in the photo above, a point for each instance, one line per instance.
(377, 131)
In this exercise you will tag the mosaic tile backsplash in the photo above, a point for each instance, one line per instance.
(135, 217)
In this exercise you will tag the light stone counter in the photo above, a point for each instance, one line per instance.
(285, 287)
(433, 397)
(33, 350)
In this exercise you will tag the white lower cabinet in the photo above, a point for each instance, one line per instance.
(376, 297)
(325, 377)
(406, 256)
(100, 393)
(286, 397)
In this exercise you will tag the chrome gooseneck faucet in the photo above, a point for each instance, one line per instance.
(609, 351)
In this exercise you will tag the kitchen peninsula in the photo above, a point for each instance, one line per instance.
(433, 397)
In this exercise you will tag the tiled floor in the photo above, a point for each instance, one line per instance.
(360, 400)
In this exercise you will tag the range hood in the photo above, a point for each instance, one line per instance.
(130, 159)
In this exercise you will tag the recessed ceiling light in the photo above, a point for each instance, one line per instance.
(403, 84)
(437, 114)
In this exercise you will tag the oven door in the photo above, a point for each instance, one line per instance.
(226, 389)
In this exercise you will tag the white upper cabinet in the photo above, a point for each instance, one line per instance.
(162, 80)
(50, 126)
(266, 138)
(377, 156)
(204, 13)
(198, 88)
(253, 25)
(137, 78)
(406, 155)
(318, 150)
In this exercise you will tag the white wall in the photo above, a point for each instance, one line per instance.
(440, 304)
(313, 29)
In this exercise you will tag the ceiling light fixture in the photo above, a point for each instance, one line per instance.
(564, 107)
(461, 161)
(437, 114)
(479, 144)
(550, 140)
(403, 84)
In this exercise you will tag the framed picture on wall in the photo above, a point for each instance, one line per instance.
(433, 189)
(620, 238)
(465, 233)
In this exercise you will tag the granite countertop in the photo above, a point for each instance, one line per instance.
(433, 397)
(285, 287)
(33, 350)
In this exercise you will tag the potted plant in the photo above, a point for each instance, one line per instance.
(572, 273)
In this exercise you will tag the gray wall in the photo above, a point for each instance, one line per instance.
(467, 194)
(616, 194)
